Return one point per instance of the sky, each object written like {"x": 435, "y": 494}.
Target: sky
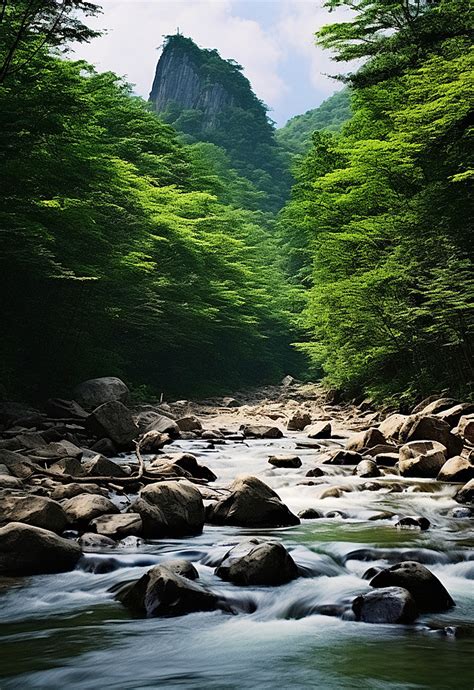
{"x": 272, "y": 39}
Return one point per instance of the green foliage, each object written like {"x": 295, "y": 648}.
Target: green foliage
{"x": 296, "y": 135}
{"x": 384, "y": 245}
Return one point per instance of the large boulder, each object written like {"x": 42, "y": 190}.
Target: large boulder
{"x": 189, "y": 423}
{"x": 33, "y": 510}
{"x": 465, "y": 428}
{"x": 421, "y": 459}
{"x": 390, "y": 427}
{"x": 298, "y": 421}
{"x": 343, "y": 457}
{"x": 162, "y": 424}
{"x": 387, "y": 605}
{"x": 258, "y": 564}
{"x": 434, "y": 406}
{"x": 456, "y": 469}
{"x": 453, "y": 414}
{"x": 70, "y": 466}
{"x": 170, "y": 509}
{"x": 466, "y": 493}
{"x": 94, "y": 392}
{"x": 427, "y": 591}
{"x": 285, "y": 461}
{"x": 431, "y": 428}
{"x": 65, "y": 409}
{"x": 113, "y": 420}
{"x": 28, "y": 550}
{"x": 260, "y": 431}
{"x": 162, "y": 592}
{"x": 251, "y": 503}
{"x": 118, "y": 526}
{"x": 367, "y": 468}
{"x": 63, "y": 491}
{"x": 85, "y": 507}
{"x": 319, "y": 430}
{"x": 365, "y": 439}
{"x": 100, "y": 466}
{"x": 188, "y": 462}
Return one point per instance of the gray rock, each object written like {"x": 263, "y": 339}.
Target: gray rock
{"x": 466, "y": 493}
{"x": 456, "y": 469}
{"x": 261, "y": 431}
{"x": 103, "y": 467}
{"x": 319, "y": 430}
{"x": 434, "y": 406}
{"x": 104, "y": 446}
{"x": 298, "y": 421}
{"x": 164, "y": 425}
{"x": 71, "y": 466}
{"x": 170, "y": 509}
{"x": 343, "y": 457}
{"x": 262, "y": 564}
{"x": 189, "y": 423}
{"x": 85, "y": 507}
{"x": 63, "y": 491}
{"x": 310, "y": 514}
{"x": 387, "y": 605}
{"x": 113, "y": 420}
{"x": 18, "y": 465}
{"x": 251, "y": 503}
{"x": 33, "y": 510}
{"x": 188, "y": 462}
{"x": 118, "y": 526}
{"x": 89, "y": 540}
{"x": 315, "y": 472}
{"x": 365, "y": 439}
{"x": 94, "y": 392}
{"x": 28, "y": 550}
{"x": 390, "y": 427}
{"x": 285, "y": 461}
{"x": 7, "y": 481}
{"x": 367, "y": 468}
{"x": 453, "y": 414}
{"x": 427, "y": 591}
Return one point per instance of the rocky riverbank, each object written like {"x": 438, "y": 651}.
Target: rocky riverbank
{"x": 95, "y": 475}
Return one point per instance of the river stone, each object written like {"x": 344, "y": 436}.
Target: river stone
{"x": 454, "y": 414}
{"x": 262, "y": 564}
{"x": 310, "y": 514}
{"x": 63, "y": 491}
{"x": 343, "y": 457}
{"x": 466, "y": 493}
{"x": 90, "y": 540}
{"x": 298, "y": 421}
{"x": 332, "y": 492}
{"x": 261, "y": 431}
{"x": 19, "y": 465}
{"x": 189, "y": 423}
{"x": 161, "y": 592}
{"x": 7, "y": 481}
{"x": 118, "y": 525}
{"x": 387, "y": 459}
{"x": 100, "y": 466}
{"x": 182, "y": 567}
{"x": 315, "y": 472}
{"x": 421, "y": 459}
{"x": 431, "y": 428}
{"x": 104, "y": 446}
{"x": 367, "y": 468}
{"x": 28, "y": 550}
{"x": 251, "y": 503}
{"x": 434, "y": 406}
{"x": 33, "y": 510}
{"x": 390, "y": 427}
{"x": 94, "y": 392}
{"x": 85, "y": 507}
{"x": 319, "y": 430}
{"x": 288, "y": 461}
{"x": 113, "y": 420}
{"x": 429, "y": 594}
{"x": 61, "y": 409}
{"x": 413, "y": 522}
{"x": 365, "y": 439}
{"x": 387, "y": 605}
{"x": 189, "y": 463}
{"x": 170, "y": 509}
{"x": 71, "y": 466}
{"x": 465, "y": 428}
{"x": 456, "y": 469}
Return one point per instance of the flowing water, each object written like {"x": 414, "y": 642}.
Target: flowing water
{"x": 66, "y": 630}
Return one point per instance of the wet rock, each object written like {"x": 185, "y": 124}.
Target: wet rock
{"x": 367, "y": 468}
{"x": 387, "y": 605}
{"x": 131, "y": 542}
{"x": 104, "y": 446}
{"x": 212, "y": 435}
{"x": 336, "y": 514}
{"x": 413, "y": 522}
{"x": 456, "y": 469}
{"x": 421, "y": 459}
{"x": 365, "y": 439}
{"x": 380, "y": 448}
{"x": 117, "y": 526}
{"x": 18, "y": 465}
{"x": 263, "y": 564}
{"x": 465, "y": 428}
{"x": 390, "y": 427}
{"x": 288, "y": 461}
{"x": 189, "y": 423}
{"x": 343, "y": 457}
{"x": 90, "y": 540}
{"x": 170, "y": 509}
{"x": 71, "y": 466}
{"x": 431, "y": 428}
{"x": 61, "y": 409}
{"x": 453, "y": 414}
{"x": 466, "y": 493}
{"x": 371, "y": 572}
{"x": 101, "y": 466}
{"x": 315, "y": 472}
{"x": 95, "y": 392}
{"x": 113, "y": 420}
{"x": 63, "y": 491}
{"x": 332, "y": 492}
{"x": 298, "y": 421}
{"x": 310, "y": 514}
{"x": 384, "y": 515}
{"x": 153, "y": 441}
{"x": 161, "y": 592}
{"x": 463, "y": 512}
{"x": 164, "y": 425}
{"x": 426, "y": 589}
{"x": 182, "y": 567}
{"x": 28, "y": 550}
{"x": 261, "y": 431}
{"x": 251, "y": 503}
{"x": 85, "y": 507}
{"x": 189, "y": 463}
{"x": 33, "y": 510}
{"x": 319, "y": 430}
{"x": 387, "y": 459}
{"x": 98, "y": 565}
{"x": 11, "y": 412}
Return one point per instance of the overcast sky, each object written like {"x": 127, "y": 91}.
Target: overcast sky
{"x": 272, "y": 39}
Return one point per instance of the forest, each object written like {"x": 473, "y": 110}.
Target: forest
{"x": 137, "y": 245}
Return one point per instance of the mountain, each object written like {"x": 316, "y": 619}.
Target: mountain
{"x": 295, "y": 136}
{"x": 208, "y": 99}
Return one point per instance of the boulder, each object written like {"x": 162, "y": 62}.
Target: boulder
{"x": 298, "y": 421}
{"x": 11, "y": 412}
{"x": 182, "y": 567}
{"x": 170, "y": 509}
{"x": 261, "y": 431}
{"x": 456, "y": 469}
{"x": 153, "y": 441}
{"x": 230, "y": 402}
{"x": 390, "y": 427}
{"x": 262, "y": 564}
{"x": 413, "y": 522}
{"x": 387, "y": 459}
{"x": 85, "y": 507}
{"x": 94, "y": 392}
{"x": 37, "y": 511}
{"x": 435, "y": 406}
{"x": 28, "y": 550}
{"x": 251, "y": 503}
{"x": 332, "y": 492}
{"x": 315, "y": 472}
{"x": 90, "y": 540}
{"x": 99, "y": 466}
{"x": 63, "y": 491}
{"x": 319, "y": 430}
{"x": 343, "y": 457}
{"x": 367, "y": 468}
{"x": 288, "y": 381}
{"x": 188, "y": 462}
{"x": 104, "y": 446}
{"x": 18, "y": 465}
{"x": 453, "y": 414}
{"x": 113, "y": 420}
{"x": 365, "y": 439}
{"x": 431, "y": 428}
{"x": 421, "y": 459}
{"x": 428, "y": 592}
{"x": 7, "y": 481}
{"x": 466, "y": 493}
{"x": 118, "y": 526}
{"x": 285, "y": 461}
{"x": 64, "y": 409}
{"x": 71, "y": 466}
{"x": 387, "y": 605}
{"x": 163, "y": 424}
{"x": 161, "y": 592}
{"x": 310, "y": 514}
{"x": 189, "y": 423}
{"x": 465, "y": 428}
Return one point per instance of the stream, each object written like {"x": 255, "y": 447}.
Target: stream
{"x": 67, "y": 630}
